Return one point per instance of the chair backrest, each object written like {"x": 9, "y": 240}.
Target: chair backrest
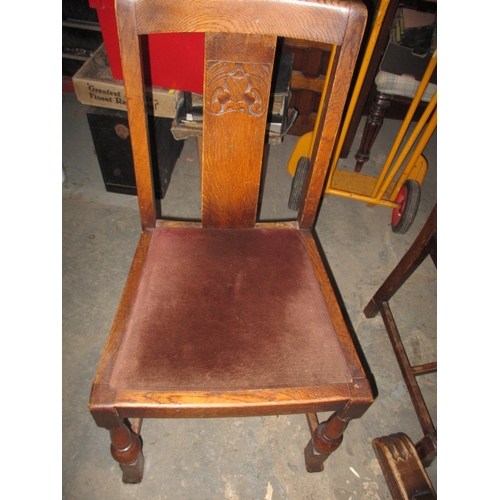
{"x": 240, "y": 46}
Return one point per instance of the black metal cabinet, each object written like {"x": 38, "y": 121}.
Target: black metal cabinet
{"x": 110, "y": 134}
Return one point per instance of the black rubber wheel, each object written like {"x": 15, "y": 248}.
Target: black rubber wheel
{"x": 408, "y": 199}
{"x": 298, "y": 183}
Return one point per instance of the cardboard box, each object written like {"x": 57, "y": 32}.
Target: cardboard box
{"x": 94, "y": 85}
{"x": 400, "y": 60}
{"x": 111, "y": 137}
{"x": 411, "y": 45}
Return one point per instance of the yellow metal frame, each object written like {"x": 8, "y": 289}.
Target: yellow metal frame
{"x": 381, "y": 190}
{"x": 305, "y": 143}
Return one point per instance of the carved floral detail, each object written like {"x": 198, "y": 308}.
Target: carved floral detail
{"x": 237, "y": 87}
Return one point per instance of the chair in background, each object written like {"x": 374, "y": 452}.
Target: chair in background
{"x": 389, "y": 87}
{"x": 408, "y": 56}
{"x": 403, "y": 470}
{"x": 229, "y": 316}
{"x": 402, "y": 462}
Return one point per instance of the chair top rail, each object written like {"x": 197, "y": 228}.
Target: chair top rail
{"x": 315, "y": 20}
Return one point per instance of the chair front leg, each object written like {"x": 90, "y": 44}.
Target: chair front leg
{"x": 126, "y": 449}
{"x": 326, "y": 438}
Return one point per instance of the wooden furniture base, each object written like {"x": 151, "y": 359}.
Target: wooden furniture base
{"x": 424, "y": 245}
{"x": 403, "y": 471}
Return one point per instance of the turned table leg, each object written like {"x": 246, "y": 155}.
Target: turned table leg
{"x": 126, "y": 449}
{"x": 326, "y": 438}
{"x": 374, "y": 121}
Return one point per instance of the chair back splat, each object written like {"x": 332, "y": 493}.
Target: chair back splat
{"x": 227, "y": 316}
{"x": 340, "y": 23}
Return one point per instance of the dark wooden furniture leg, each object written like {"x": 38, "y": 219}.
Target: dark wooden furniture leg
{"x": 424, "y": 245}
{"x": 126, "y": 443}
{"x": 378, "y": 109}
{"x": 326, "y": 438}
{"x": 403, "y": 471}
{"x": 427, "y": 447}
{"x": 126, "y": 449}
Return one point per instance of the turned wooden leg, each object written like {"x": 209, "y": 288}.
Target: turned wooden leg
{"x": 326, "y": 438}
{"x": 126, "y": 449}
{"x": 373, "y": 123}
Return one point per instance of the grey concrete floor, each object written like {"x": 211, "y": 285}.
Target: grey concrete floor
{"x": 251, "y": 458}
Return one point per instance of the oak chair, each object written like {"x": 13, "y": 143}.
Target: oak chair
{"x": 425, "y": 245}
{"x": 402, "y": 462}
{"x": 230, "y": 316}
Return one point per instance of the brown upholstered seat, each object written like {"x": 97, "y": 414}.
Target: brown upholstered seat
{"x": 223, "y": 304}
{"x": 230, "y": 316}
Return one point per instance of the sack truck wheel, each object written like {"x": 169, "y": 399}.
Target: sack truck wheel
{"x": 408, "y": 199}
{"x": 298, "y": 183}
